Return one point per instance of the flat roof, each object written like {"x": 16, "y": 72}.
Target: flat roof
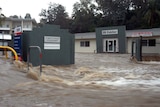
{"x": 129, "y": 33}
{"x": 143, "y": 32}
{"x": 90, "y": 35}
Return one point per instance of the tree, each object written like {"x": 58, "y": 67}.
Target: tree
{"x": 114, "y": 11}
{"x": 83, "y": 16}
{"x": 56, "y": 14}
{"x": 152, "y": 14}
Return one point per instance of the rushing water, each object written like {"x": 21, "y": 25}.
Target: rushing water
{"x": 95, "y": 80}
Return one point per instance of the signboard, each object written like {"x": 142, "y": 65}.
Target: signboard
{"x": 18, "y": 30}
{"x": 143, "y": 34}
{"x": 17, "y": 45}
{"x": 110, "y": 32}
{"x": 52, "y": 42}
{"x": 18, "y": 41}
{"x": 51, "y": 39}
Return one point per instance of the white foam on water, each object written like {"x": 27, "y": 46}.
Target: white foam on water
{"x": 124, "y": 82}
{"x": 151, "y": 62}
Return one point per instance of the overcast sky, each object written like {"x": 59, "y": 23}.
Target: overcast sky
{"x": 34, "y": 7}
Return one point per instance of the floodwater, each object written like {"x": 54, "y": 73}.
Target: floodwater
{"x": 95, "y": 80}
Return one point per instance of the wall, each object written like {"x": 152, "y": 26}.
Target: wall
{"x": 5, "y": 25}
{"x": 129, "y": 44}
{"x": 152, "y": 49}
{"x": 27, "y": 25}
{"x": 145, "y": 49}
{"x": 121, "y": 35}
{"x": 64, "y": 55}
{"x": 90, "y": 49}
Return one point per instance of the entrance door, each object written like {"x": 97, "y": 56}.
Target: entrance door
{"x": 111, "y": 45}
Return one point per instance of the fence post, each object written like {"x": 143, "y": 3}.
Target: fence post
{"x": 40, "y": 56}
{"x": 140, "y": 48}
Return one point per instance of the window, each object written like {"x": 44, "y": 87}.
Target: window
{"x": 84, "y": 43}
{"x": 149, "y": 42}
{"x": 152, "y": 42}
{"x": 144, "y": 42}
{"x": 26, "y": 26}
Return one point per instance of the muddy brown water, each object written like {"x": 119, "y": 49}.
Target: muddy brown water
{"x": 95, "y": 80}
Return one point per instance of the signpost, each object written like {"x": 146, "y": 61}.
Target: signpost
{"x": 18, "y": 41}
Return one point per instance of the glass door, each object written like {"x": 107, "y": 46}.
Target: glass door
{"x": 111, "y": 45}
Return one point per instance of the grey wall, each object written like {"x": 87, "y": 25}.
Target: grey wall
{"x": 121, "y": 38}
{"x": 62, "y": 56}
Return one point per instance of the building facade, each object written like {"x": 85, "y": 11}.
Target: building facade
{"x": 7, "y": 28}
{"x": 150, "y": 40}
{"x": 111, "y": 39}
{"x": 118, "y": 40}
{"x": 8, "y": 25}
{"x": 85, "y": 42}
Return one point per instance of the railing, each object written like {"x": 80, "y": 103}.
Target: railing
{"x": 40, "y": 56}
{"x": 9, "y": 48}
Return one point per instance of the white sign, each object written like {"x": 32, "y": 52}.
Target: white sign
{"x": 51, "y": 42}
{"x": 110, "y": 32}
{"x": 51, "y": 39}
{"x": 18, "y": 30}
{"x": 51, "y": 46}
{"x": 143, "y": 34}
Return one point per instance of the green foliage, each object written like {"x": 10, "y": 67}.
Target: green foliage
{"x": 89, "y": 14}
{"x": 152, "y": 15}
{"x": 55, "y": 14}
{"x": 84, "y": 16}
{"x": 132, "y": 13}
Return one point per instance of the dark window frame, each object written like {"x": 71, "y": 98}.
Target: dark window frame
{"x": 84, "y": 43}
{"x": 144, "y": 42}
{"x": 152, "y": 42}
{"x": 149, "y": 42}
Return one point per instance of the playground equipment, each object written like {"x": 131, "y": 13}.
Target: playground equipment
{"x": 11, "y": 49}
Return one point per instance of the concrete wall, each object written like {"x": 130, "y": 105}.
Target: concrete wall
{"x": 120, "y": 35}
{"x": 27, "y": 25}
{"x": 90, "y": 49}
{"x": 63, "y": 55}
{"x": 152, "y": 49}
{"x": 145, "y": 49}
{"x": 129, "y": 44}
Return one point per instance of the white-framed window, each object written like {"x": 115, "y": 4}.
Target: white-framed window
{"x": 85, "y": 44}
{"x": 149, "y": 42}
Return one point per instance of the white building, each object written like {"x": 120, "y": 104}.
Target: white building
{"x": 7, "y": 27}
{"x": 86, "y": 42}
{"x": 150, "y": 40}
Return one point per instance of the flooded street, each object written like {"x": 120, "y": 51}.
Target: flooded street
{"x": 95, "y": 80}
